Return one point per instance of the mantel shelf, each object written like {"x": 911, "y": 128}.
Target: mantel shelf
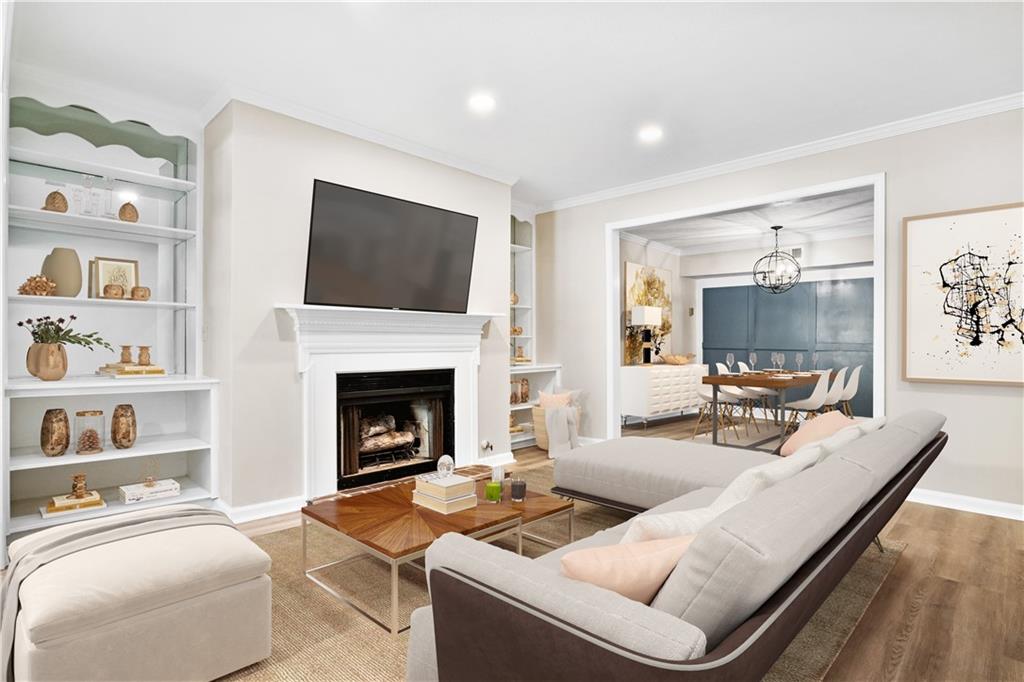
{"x": 96, "y": 302}
{"x": 534, "y": 369}
{"x": 91, "y": 226}
{"x": 102, "y": 170}
{"x": 31, "y": 457}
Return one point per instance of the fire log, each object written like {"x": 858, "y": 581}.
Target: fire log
{"x": 392, "y": 440}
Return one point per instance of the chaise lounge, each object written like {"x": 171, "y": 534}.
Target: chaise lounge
{"x": 750, "y": 580}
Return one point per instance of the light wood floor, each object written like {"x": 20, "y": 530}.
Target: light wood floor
{"x": 952, "y": 610}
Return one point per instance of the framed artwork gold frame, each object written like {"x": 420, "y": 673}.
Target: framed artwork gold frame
{"x": 127, "y": 270}
{"x": 963, "y": 283}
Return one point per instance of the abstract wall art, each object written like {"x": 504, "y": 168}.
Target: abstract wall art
{"x": 646, "y": 285}
{"x": 964, "y": 296}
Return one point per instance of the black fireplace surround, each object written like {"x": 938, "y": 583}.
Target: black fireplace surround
{"x": 393, "y": 424}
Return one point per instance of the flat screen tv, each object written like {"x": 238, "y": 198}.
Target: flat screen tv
{"x": 372, "y": 251}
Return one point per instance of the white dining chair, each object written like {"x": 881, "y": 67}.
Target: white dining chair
{"x": 747, "y": 400}
{"x": 835, "y": 393}
{"x": 726, "y": 403}
{"x": 810, "y": 405}
{"x": 763, "y": 393}
{"x": 850, "y": 391}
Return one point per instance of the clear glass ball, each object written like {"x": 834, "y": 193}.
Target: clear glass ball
{"x": 445, "y": 465}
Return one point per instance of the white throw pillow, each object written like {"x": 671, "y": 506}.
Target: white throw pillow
{"x": 869, "y": 425}
{"x": 838, "y": 441}
{"x": 742, "y": 488}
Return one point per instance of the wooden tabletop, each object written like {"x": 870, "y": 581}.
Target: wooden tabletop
{"x": 389, "y": 522}
{"x": 761, "y": 380}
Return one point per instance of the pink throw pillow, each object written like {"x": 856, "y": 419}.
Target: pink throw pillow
{"x": 816, "y": 429}
{"x": 549, "y": 400}
{"x": 636, "y": 570}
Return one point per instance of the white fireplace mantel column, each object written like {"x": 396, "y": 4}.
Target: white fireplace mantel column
{"x": 334, "y": 340}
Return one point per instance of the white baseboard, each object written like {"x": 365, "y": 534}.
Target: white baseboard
{"x": 977, "y": 505}
{"x": 262, "y": 510}
{"x": 500, "y": 459}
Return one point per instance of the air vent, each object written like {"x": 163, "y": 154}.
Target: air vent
{"x": 797, "y": 251}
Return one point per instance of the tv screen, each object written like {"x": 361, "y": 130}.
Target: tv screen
{"x": 372, "y": 251}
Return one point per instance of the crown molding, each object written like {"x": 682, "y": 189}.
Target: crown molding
{"x": 649, "y": 243}
{"x": 524, "y": 210}
{"x": 860, "y": 228}
{"x": 323, "y": 119}
{"x": 880, "y": 132}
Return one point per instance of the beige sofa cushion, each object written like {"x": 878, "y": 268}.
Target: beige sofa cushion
{"x": 743, "y": 556}
{"x": 115, "y": 581}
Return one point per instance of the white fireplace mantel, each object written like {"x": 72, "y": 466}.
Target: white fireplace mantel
{"x": 333, "y": 340}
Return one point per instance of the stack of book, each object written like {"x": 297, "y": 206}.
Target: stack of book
{"x": 149, "y": 490}
{"x": 129, "y": 370}
{"x": 447, "y": 494}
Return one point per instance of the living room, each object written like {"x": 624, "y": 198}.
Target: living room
{"x": 383, "y": 341}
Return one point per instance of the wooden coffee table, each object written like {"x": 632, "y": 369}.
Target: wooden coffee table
{"x": 385, "y": 524}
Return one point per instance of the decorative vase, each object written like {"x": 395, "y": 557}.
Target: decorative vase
{"x": 140, "y": 293}
{"x": 63, "y": 267}
{"x": 123, "y": 428}
{"x": 55, "y": 434}
{"x": 113, "y": 291}
{"x": 144, "y": 357}
{"x": 47, "y": 361}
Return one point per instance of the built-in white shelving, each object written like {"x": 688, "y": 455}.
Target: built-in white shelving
{"x": 29, "y": 457}
{"x": 523, "y": 406}
{"x": 539, "y": 368}
{"x": 98, "y": 164}
{"x": 82, "y": 302}
{"x": 25, "y": 514}
{"x": 102, "y": 228}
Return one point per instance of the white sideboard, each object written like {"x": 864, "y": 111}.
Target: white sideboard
{"x": 657, "y": 390}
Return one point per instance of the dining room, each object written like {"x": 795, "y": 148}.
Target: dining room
{"x": 774, "y": 309}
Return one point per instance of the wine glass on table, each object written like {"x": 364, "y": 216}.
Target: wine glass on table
{"x": 782, "y": 360}
{"x": 799, "y": 361}
{"x": 753, "y": 361}
{"x": 814, "y": 360}
{"x": 729, "y": 359}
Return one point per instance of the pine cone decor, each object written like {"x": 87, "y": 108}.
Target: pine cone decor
{"x": 37, "y": 285}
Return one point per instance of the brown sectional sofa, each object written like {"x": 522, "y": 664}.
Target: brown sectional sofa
{"x": 749, "y": 582}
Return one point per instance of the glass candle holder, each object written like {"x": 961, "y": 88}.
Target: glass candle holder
{"x": 88, "y": 432}
{"x": 492, "y": 491}
{"x": 518, "y": 486}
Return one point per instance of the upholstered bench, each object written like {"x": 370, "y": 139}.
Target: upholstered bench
{"x": 181, "y": 603}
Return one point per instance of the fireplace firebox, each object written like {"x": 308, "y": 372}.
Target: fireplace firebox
{"x": 393, "y": 424}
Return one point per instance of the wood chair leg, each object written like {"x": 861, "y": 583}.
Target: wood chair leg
{"x": 700, "y": 418}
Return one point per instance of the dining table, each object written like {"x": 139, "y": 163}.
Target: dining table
{"x": 778, "y": 380}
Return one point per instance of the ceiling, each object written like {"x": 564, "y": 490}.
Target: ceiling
{"x": 821, "y": 217}
{"x": 573, "y": 82}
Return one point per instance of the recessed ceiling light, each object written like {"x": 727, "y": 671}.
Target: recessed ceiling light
{"x": 650, "y": 134}
{"x": 481, "y": 103}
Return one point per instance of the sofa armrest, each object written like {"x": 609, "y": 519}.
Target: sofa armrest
{"x": 581, "y": 609}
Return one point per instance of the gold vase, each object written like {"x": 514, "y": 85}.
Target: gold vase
{"x": 55, "y": 434}
{"x": 123, "y": 427}
{"x": 47, "y": 361}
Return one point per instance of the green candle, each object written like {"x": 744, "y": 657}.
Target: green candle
{"x": 492, "y": 491}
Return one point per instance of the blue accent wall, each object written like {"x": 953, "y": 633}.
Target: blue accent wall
{"x": 834, "y": 318}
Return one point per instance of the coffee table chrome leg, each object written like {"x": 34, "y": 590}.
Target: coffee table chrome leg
{"x": 394, "y": 597}
{"x": 519, "y": 539}
{"x": 572, "y": 526}
{"x": 303, "y": 522}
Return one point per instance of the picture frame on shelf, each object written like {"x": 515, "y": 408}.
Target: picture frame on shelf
{"x": 105, "y": 271}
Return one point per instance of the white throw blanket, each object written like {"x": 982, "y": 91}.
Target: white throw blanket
{"x": 562, "y": 429}
{"x": 49, "y": 545}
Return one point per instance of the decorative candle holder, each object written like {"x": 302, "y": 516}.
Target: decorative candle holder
{"x": 492, "y": 491}
{"x": 518, "y": 486}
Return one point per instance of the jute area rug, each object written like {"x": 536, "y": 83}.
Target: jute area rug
{"x": 315, "y": 637}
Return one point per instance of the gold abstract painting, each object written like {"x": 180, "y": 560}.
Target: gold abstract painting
{"x": 646, "y": 285}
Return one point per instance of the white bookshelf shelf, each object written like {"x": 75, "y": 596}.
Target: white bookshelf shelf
{"x": 519, "y": 248}
{"x": 30, "y": 387}
{"x": 520, "y": 306}
{"x": 523, "y": 406}
{"x": 104, "y": 228}
{"x": 534, "y": 369}
{"x": 31, "y": 457}
{"x": 60, "y": 162}
{"x": 25, "y": 514}
{"x": 84, "y": 302}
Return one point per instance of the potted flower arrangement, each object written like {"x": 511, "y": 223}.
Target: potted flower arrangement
{"x": 46, "y": 357}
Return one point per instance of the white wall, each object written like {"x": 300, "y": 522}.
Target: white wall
{"x": 260, "y": 169}
{"x": 962, "y": 165}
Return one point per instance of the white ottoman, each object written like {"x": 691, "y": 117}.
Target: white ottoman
{"x": 182, "y": 604}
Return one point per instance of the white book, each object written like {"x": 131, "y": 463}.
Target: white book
{"x": 140, "y": 492}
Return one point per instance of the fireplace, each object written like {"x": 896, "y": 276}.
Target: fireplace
{"x": 393, "y": 424}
